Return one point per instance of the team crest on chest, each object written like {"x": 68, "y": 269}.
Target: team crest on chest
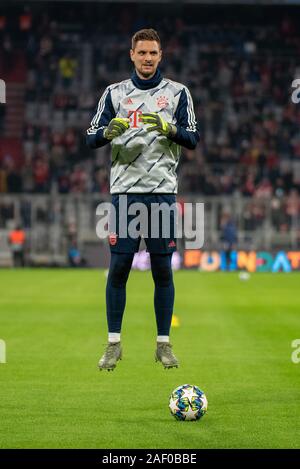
{"x": 113, "y": 239}
{"x": 162, "y": 102}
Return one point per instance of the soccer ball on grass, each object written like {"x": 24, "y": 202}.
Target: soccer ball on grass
{"x": 188, "y": 402}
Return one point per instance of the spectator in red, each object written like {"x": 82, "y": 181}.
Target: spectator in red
{"x": 41, "y": 175}
{"x": 264, "y": 189}
{"x": 79, "y": 180}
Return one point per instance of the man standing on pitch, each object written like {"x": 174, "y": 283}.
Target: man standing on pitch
{"x": 146, "y": 119}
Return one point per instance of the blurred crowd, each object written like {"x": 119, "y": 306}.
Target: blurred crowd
{"x": 239, "y": 72}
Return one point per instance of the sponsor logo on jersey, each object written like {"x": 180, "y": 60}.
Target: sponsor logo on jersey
{"x": 128, "y": 101}
{"x": 134, "y": 117}
{"x": 172, "y": 244}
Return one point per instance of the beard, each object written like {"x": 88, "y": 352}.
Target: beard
{"x": 146, "y": 74}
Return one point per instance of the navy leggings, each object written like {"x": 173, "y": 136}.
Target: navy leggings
{"x": 120, "y": 265}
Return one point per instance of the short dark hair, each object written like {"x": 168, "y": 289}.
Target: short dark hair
{"x": 145, "y": 35}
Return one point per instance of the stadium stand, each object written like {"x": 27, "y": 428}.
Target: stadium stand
{"x": 240, "y": 75}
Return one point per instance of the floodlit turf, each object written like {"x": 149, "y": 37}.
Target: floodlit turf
{"x": 234, "y": 342}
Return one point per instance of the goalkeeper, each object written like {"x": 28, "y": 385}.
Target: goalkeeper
{"x": 146, "y": 120}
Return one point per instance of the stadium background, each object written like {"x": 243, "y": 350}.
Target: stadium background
{"x": 235, "y": 335}
{"x": 239, "y": 62}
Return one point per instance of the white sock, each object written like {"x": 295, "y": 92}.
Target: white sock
{"x": 114, "y": 337}
{"x": 163, "y": 338}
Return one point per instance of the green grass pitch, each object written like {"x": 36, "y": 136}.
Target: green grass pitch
{"x": 234, "y": 342}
